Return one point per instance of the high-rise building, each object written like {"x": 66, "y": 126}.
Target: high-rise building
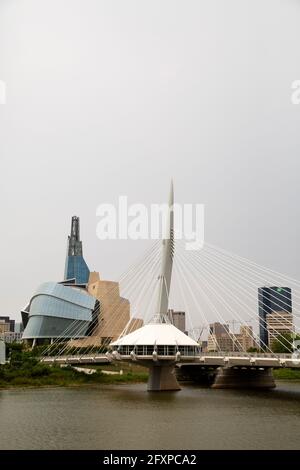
{"x": 75, "y": 266}
{"x": 6, "y": 324}
{"x": 220, "y": 338}
{"x": 177, "y": 318}
{"x": 272, "y": 300}
{"x": 278, "y": 323}
{"x": 8, "y": 330}
{"x": 244, "y": 340}
{"x": 11, "y": 337}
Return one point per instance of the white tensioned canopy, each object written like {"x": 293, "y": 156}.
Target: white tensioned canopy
{"x": 160, "y": 334}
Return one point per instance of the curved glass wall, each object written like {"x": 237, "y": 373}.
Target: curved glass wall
{"x": 57, "y": 310}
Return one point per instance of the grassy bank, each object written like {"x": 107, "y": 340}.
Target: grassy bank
{"x": 286, "y": 374}
{"x": 38, "y": 375}
{"x": 56, "y": 376}
{"x": 25, "y": 370}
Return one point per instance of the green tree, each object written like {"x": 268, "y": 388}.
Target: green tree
{"x": 283, "y": 344}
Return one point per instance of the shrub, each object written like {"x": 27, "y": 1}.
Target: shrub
{"x": 40, "y": 370}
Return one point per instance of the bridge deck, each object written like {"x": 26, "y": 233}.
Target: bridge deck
{"x": 214, "y": 360}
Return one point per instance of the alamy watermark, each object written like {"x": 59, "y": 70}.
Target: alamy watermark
{"x": 295, "y": 96}
{"x": 2, "y": 92}
{"x": 139, "y": 222}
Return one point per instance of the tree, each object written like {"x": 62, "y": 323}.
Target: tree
{"x": 284, "y": 343}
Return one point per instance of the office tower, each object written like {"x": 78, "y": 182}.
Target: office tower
{"x": 272, "y": 300}
{"x": 8, "y": 330}
{"x": 245, "y": 339}
{"x": 6, "y": 324}
{"x": 278, "y": 323}
{"x": 177, "y": 318}
{"x": 218, "y": 328}
{"x": 75, "y": 266}
{"x": 219, "y": 338}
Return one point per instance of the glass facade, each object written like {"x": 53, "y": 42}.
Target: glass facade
{"x": 163, "y": 350}
{"x": 271, "y": 300}
{"x": 76, "y": 268}
{"x": 57, "y": 310}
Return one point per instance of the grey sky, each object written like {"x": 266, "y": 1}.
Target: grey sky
{"x": 115, "y": 97}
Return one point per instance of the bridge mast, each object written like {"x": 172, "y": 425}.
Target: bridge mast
{"x": 161, "y": 314}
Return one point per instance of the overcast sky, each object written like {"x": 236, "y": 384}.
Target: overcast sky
{"x": 116, "y": 97}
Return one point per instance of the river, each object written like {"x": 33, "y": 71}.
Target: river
{"x": 129, "y": 417}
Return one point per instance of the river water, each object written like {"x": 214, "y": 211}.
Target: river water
{"x": 129, "y": 417}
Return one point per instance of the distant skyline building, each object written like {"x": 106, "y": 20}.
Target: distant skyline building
{"x": 279, "y": 323}
{"x": 218, "y": 328}
{"x": 220, "y": 338}
{"x": 6, "y": 324}
{"x": 9, "y": 330}
{"x": 245, "y": 339}
{"x": 11, "y": 337}
{"x": 177, "y": 318}
{"x": 75, "y": 266}
{"x": 272, "y": 300}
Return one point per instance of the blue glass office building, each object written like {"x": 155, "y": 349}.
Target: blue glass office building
{"x": 271, "y": 300}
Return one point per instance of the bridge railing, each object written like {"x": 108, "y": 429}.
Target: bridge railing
{"x": 244, "y": 354}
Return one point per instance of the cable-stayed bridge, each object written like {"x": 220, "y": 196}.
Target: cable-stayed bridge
{"x": 212, "y": 286}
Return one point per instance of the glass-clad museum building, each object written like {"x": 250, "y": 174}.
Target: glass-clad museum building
{"x": 57, "y": 310}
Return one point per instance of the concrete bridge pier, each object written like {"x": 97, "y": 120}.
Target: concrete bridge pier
{"x": 162, "y": 377}
{"x": 242, "y": 377}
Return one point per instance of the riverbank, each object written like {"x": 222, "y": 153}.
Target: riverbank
{"x": 25, "y": 370}
{"x": 42, "y": 376}
{"x": 286, "y": 374}
{"x": 69, "y": 377}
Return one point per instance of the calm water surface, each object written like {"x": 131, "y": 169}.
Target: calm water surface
{"x": 129, "y": 417}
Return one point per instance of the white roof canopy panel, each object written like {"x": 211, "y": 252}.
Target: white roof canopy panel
{"x": 156, "y": 334}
